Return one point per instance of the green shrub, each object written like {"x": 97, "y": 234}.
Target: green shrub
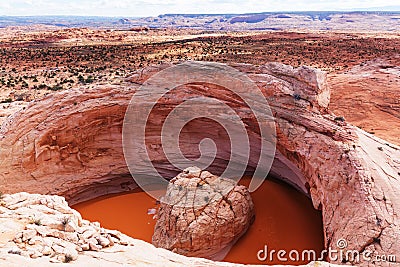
{"x": 89, "y": 79}
{"x": 7, "y": 100}
{"x": 42, "y": 86}
{"x": 56, "y": 88}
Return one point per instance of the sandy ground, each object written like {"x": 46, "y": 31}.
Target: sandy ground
{"x": 363, "y": 68}
{"x": 368, "y": 96}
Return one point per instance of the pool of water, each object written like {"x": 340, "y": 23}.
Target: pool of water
{"x": 285, "y": 220}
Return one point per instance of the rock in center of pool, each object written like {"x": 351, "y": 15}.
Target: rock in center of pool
{"x": 202, "y": 215}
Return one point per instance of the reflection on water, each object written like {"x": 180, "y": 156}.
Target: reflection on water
{"x": 285, "y": 219}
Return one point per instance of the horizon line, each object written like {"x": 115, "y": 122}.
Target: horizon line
{"x": 206, "y": 14}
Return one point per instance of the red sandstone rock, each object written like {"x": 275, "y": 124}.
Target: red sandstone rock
{"x": 186, "y": 223}
{"x": 368, "y": 97}
{"x": 69, "y": 144}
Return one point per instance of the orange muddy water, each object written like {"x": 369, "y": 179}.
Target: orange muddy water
{"x": 285, "y": 219}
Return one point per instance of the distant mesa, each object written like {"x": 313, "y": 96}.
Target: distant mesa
{"x": 258, "y": 18}
{"x": 308, "y": 20}
{"x": 249, "y": 19}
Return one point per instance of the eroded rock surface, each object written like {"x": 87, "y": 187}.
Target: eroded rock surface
{"x": 368, "y": 96}
{"x": 46, "y": 226}
{"x": 33, "y": 233}
{"x": 69, "y": 144}
{"x": 202, "y": 215}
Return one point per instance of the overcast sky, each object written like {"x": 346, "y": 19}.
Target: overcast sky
{"x": 141, "y": 8}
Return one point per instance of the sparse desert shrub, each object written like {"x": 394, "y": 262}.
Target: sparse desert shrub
{"x": 81, "y": 79}
{"x": 42, "y": 86}
{"x": 14, "y": 251}
{"x": 56, "y": 88}
{"x": 7, "y": 100}
{"x": 339, "y": 119}
{"x": 68, "y": 258}
{"x": 89, "y": 79}
{"x": 36, "y": 221}
{"x": 25, "y": 84}
{"x": 65, "y": 220}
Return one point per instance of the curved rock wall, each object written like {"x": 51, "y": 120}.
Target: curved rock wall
{"x": 70, "y": 144}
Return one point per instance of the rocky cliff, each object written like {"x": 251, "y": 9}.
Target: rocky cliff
{"x": 69, "y": 144}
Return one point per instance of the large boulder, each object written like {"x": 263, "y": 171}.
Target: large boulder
{"x": 202, "y": 215}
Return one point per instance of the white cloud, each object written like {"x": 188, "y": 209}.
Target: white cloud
{"x": 156, "y": 7}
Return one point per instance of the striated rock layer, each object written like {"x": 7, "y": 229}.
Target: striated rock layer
{"x": 362, "y": 99}
{"x": 69, "y": 144}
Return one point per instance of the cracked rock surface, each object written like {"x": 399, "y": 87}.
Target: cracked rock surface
{"x": 33, "y": 232}
{"x": 37, "y": 226}
{"x": 202, "y": 215}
